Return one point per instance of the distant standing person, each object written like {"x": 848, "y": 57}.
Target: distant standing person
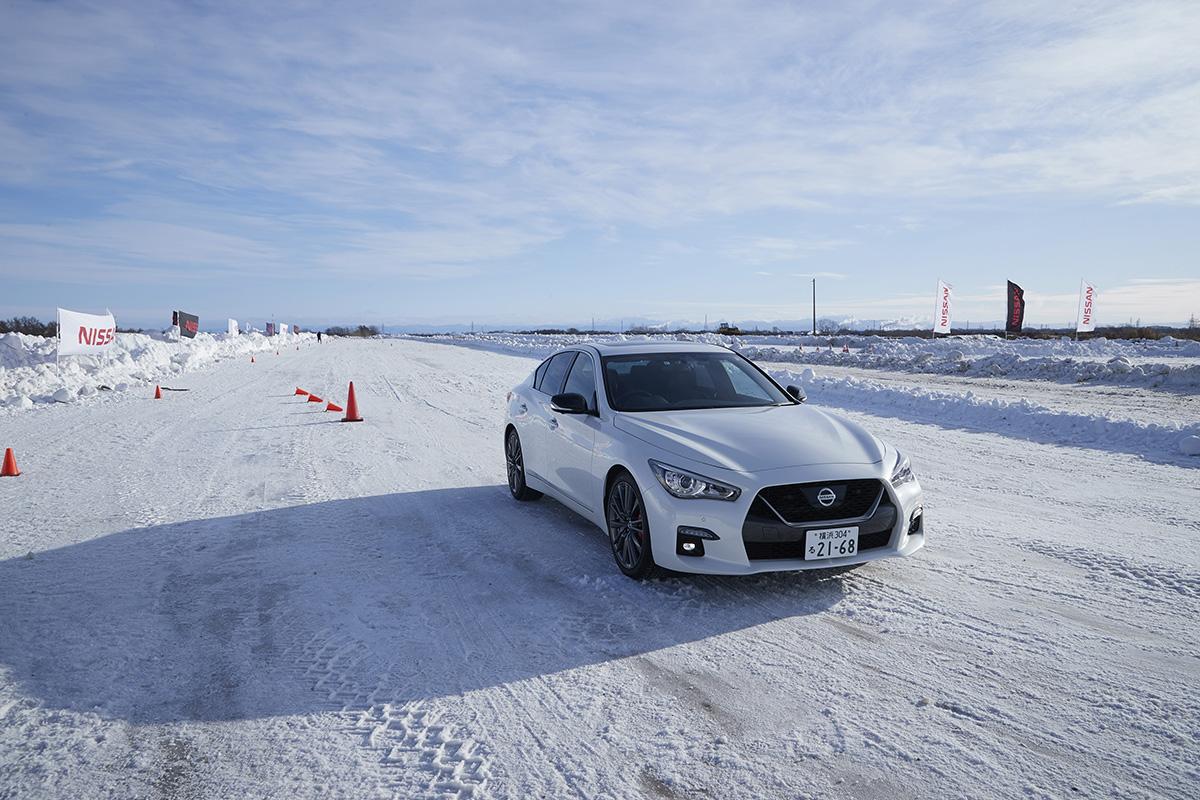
{"x": 318, "y": 337}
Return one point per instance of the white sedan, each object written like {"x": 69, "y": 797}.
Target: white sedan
{"x": 692, "y": 458}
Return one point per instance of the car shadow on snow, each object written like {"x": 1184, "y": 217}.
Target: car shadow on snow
{"x": 341, "y": 604}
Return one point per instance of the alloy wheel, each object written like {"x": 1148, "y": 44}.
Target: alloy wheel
{"x": 626, "y": 525}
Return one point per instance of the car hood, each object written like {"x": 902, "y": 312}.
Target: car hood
{"x": 755, "y": 439}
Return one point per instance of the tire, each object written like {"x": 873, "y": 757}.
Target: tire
{"x": 514, "y": 458}
{"x": 628, "y": 529}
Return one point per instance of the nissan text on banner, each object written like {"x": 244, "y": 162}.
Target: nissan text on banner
{"x": 85, "y": 334}
{"x": 189, "y": 324}
{"x": 1085, "y": 321}
{"x": 233, "y": 327}
{"x": 1016, "y": 309}
{"x": 941, "y": 312}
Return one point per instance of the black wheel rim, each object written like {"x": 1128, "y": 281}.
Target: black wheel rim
{"x": 516, "y": 467}
{"x": 626, "y": 524}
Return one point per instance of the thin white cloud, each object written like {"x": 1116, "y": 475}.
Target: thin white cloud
{"x": 774, "y": 249}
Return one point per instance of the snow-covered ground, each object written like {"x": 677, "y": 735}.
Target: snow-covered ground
{"x": 224, "y": 593}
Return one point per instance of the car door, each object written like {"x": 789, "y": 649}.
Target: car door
{"x": 523, "y": 398}
{"x": 571, "y": 441}
{"x": 542, "y": 419}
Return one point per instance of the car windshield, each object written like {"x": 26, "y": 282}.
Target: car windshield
{"x": 676, "y": 381}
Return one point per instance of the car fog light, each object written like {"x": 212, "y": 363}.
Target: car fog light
{"x": 914, "y": 522}
{"x": 689, "y": 541}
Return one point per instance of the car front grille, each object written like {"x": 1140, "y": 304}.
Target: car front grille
{"x": 800, "y": 503}
{"x": 766, "y": 537}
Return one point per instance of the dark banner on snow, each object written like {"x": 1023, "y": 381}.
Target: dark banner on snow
{"x": 1016, "y": 308}
{"x": 270, "y": 329}
{"x": 189, "y": 324}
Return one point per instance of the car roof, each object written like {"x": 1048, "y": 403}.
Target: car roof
{"x": 636, "y": 346}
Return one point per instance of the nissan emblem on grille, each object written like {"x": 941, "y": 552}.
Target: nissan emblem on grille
{"x": 827, "y": 497}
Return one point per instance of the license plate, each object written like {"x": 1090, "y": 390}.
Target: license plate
{"x": 830, "y": 543}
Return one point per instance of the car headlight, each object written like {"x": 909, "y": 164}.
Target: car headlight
{"x": 902, "y": 473}
{"x": 690, "y": 486}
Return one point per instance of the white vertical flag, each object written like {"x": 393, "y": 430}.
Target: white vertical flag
{"x": 1085, "y": 321}
{"x": 233, "y": 327}
{"x": 941, "y": 311}
{"x": 84, "y": 334}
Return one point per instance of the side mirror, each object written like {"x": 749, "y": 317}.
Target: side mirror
{"x": 569, "y": 403}
{"x": 797, "y": 393}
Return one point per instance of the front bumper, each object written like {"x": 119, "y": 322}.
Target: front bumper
{"x": 885, "y": 534}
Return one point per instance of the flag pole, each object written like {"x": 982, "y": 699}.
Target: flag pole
{"x": 814, "y": 299}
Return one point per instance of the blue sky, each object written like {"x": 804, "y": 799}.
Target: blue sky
{"x": 550, "y": 162}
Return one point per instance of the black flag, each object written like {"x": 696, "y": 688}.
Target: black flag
{"x": 189, "y": 324}
{"x": 1016, "y": 308}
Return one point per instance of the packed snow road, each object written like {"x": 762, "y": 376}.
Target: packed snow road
{"x": 224, "y": 593}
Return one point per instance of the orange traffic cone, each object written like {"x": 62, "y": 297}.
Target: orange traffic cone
{"x": 9, "y": 470}
{"x": 351, "y": 407}
{"x": 300, "y": 391}
{"x": 845, "y": 348}
{"x": 312, "y": 398}
{"x": 158, "y": 393}
{"x": 332, "y": 407}
{"x": 251, "y": 359}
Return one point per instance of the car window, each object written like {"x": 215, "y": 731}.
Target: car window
{"x": 582, "y": 380}
{"x": 556, "y": 371}
{"x": 674, "y": 381}
{"x": 539, "y": 372}
{"x": 743, "y": 385}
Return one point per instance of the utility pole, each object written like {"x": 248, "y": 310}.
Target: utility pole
{"x": 814, "y": 280}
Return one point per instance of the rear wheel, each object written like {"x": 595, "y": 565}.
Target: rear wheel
{"x": 515, "y": 461}
{"x": 628, "y": 530}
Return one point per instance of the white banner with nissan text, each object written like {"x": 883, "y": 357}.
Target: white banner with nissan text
{"x": 941, "y": 312}
{"x": 1085, "y": 321}
{"x": 85, "y": 334}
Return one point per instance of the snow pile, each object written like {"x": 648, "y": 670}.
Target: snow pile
{"x": 29, "y": 375}
{"x": 1168, "y": 362}
{"x": 1022, "y": 419}
{"x": 1175, "y": 364}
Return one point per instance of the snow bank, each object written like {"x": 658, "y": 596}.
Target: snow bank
{"x": 29, "y": 375}
{"x": 1167, "y": 363}
{"x": 1022, "y": 419}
